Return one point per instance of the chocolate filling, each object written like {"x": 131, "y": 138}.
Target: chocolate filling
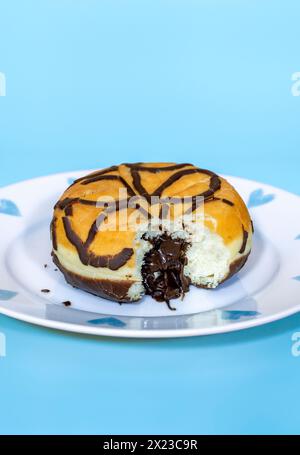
{"x": 162, "y": 271}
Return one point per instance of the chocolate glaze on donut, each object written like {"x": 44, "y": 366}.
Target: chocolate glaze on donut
{"x": 163, "y": 267}
{"x": 116, "y": 261}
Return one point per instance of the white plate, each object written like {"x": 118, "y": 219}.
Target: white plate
{"x": 267, "y": 288}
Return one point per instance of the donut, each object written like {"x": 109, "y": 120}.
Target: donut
{"x": 150, "y": 228}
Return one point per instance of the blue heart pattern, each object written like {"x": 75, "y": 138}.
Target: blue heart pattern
{"x": 113, "y": 322}
{"x": 258, "y": 197}
{"x": 235, "y": 315}
{"x": 7, "y": 295}
{"x": 9, "y": 207}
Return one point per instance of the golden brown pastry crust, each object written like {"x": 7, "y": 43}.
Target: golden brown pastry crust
{"x": 74, "y": 226}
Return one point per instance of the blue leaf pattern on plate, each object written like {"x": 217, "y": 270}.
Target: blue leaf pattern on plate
{"x": 235, "y": 315}
{"x": 297, "y": 278}
{"x": 7, "y": 295}
{"x": 114, "y": 322}
{"x": 298, "y": 237}
{"x": 9, "y": 207}
{"x": 71, "y": 180}
{"x": 258, "y": 197}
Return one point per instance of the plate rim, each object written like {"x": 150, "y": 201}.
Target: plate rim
{"x": 149, "y": 333}
{"x": 142, "y": 334}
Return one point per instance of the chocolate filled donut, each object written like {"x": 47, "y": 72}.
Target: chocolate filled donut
{"x": 150, "y": 228}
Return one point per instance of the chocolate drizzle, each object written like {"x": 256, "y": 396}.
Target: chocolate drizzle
{"x": 136, "y": 190}
{"x": 244, "y": 242}
{"x": 53, "y": 232}
{"x": 214, "y": 184}
{"x": 98, "y": 173}
{"x": 110, "y": 177}
{"x": 156, "y": 170}
{"x": 163, "y": 269}
{"x": 226, "y": 201}
{"x": 112, "y": 262}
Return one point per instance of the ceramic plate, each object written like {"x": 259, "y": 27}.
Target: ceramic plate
{"x": 267, "y": 288}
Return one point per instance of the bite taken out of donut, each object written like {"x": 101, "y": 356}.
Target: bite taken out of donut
{"x": 150, "y": 228}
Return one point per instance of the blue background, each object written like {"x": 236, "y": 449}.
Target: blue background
{"x": 91, "y": 83}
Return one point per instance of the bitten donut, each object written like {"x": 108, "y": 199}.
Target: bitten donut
{"x": 150, "y": 228}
